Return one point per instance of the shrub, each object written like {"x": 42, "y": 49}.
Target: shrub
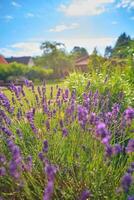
{"x": 16, "y": 70}
{"x": 39, "y": 73}
{"x": 78, "y": 82}
{"x": 119, "y": 86}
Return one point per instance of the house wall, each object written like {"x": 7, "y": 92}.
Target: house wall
{"x": 31, "y": 62}
{"x": 82, "y": 64}
{"x": 83, "y": 68}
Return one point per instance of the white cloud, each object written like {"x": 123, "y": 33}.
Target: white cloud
{"x": 22, "y": 49}
{"x": 89, "y": 43}
{"x": 15, "y": 4}
{"x": 85, "y": 7}
{"x": 29, "y": 15}
{"x": 63, "y": 27}
{"x": 32, "y": 48}
{"x": 129, "y": 4}
{"x": 8, "y": 18}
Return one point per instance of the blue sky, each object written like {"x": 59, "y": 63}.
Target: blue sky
{"x": 88, "y": 23}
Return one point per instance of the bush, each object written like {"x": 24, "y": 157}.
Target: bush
{"x": 78, "y": 82}
{"x": 119, "y": 86}
{"x": 39, "y": 73}
{"x": 16, "y": 70}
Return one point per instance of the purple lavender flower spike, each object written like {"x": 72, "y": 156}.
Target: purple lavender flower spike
{"x": 129, "y": 114}
{"x": 115, "y": 110}
{"x": 16, "y": 90}
{"x": 51, "y": 93}
{"x": 41, "y": 156}
{"x": 64, "y": 132}
{"x": 126, "y": 182}
{"x": 4, "y": 101}
{"x": 30, "y": 117}
{"x": 58, "y": 93}
{"x": 29, "y": 164}
{"x": 2, "y": 171}
{"x": 16, "y": 155}
{"x": 47, "y": 125}
{"x": 19, "y": 114}
{"x": 23, "y": 93}
{"x": 2, "y": 159}
{"x": 13, "y": 100}
{"x": 10, "y": 144}
{"x": 50, "y": 171}
{"x": 85, "y": 195}
{"x": 108, "y": 117}
{"x": 39, "y": 91}
{"x": 61, "y": 123}
{"x": 108, "y": 150}
{"x": 5, "y": 117}
{"x": 45, "y": 147}
{"x": 101, "y": 130}
{"x": 130, "y": 198}
{"x": 66, "y": 93}
{"x": 13, "y": 170}
{"x": 6, "y": 131}
{"x": 82, "y": 115}
{"x": 93, "y": 118}
{"x": 117, "y": 149}
{"x": 37, "y": 99}
{"x": 48, "y": 191}
{"x": 26, "y": 82}
{"x": 130, "y": 170}
{"x": 106, "y": 140}
{"x": 95, "y": 97}
{"x": 130, "y": 146}
{"x": 132, "y": 165}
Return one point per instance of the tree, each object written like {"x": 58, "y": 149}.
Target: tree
{"x": 122, "y": 46}
{"x": 55, "y": 57}
{"x": 95, "y": 52}
{"x": 108, "y": 51}
{"x": 123, "y": 39}
{"x": 79, "y": 51}
{"x": 96, "y": 61}
{"x": 51, "y": 47}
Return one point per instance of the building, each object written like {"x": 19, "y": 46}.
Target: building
{"x": 26, "y": 60}
{"x": 82, "y": 63}
{"x": 3, "y": 60}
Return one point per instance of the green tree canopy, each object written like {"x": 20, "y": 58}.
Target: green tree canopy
{"x": 108, "y": 51}
{"x": 79, "y": 51}
{"x": 55, "y": 57}
{"x": 51, "y": 47}
{"x": 122, "y": 46}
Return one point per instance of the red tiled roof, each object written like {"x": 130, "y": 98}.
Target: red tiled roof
{"x": 82, "y": 58}
{"x": 82, "y": 61}
{"x": 2, "y": 60}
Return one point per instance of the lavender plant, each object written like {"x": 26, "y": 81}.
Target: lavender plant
{"x": 58, "y": 148}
